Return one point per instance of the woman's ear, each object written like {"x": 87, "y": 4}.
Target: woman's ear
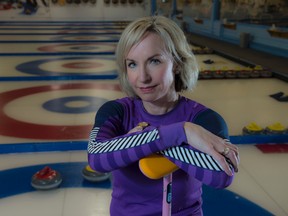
{"x": 176, "y": 69}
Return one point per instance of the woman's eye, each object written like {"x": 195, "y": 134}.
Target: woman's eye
{"x": 131, "y": 65}
{"x": 155, "y": 61}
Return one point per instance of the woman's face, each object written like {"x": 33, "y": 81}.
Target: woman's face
{"x": 150, "y": 70}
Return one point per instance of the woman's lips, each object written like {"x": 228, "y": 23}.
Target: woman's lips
{"x": 147, "y": 89}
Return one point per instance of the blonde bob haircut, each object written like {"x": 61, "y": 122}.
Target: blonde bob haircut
{"x": 176, "y": 45}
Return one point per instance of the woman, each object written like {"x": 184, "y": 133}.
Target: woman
{"x": 155, "y": 65}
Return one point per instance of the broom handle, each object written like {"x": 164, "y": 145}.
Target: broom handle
{"x": 167, "y": 195}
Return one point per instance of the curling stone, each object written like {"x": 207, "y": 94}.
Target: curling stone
{"x": 197, "y": 51}
{"x": 208, "y": 50}
{"x": 94, "y": 176}
{"x": 218, "y": 74}
{"x": 266, "y": 73}
{"x": 243, "y": 73}
{"x": 231, "y": 74}
{"x": 46, "y": 179}
{"x": 255, "y": 73}
{"x": 206, "y": 74}
{"x": 252, "y": 129}
{"x": 276, "y": 128}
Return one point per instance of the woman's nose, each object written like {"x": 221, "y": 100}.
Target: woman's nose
{"x": 144, "y": 75}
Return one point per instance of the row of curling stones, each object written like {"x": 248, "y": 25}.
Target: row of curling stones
{"x": 201, "y": 50}
{"x": 238, "y": 73}
{"x": 274, "y": 129}
{"x": 47, "y": 178}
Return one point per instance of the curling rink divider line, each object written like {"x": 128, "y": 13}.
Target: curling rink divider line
{"x": 58, "y": 78}
{"x": 82, "y": 145}
{"x": 51, "y": 22}
{"x": 58, "y": 34}
{"x": 57, "y": 53}
{"x": 58, "y": 41}
{"x": 43, "y": 147}
{"x": 259, "y": 139}
{"x": 82, "y": 28}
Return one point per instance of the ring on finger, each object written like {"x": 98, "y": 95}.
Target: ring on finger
{"x": 226, "y": 151}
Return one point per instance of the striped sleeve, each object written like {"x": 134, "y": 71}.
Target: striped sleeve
{"x": 200, "y": 165}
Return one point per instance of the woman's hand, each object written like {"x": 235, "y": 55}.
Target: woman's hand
{"x": 220, "y": 149}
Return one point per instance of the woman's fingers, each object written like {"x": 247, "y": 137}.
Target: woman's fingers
{"x": 231, "y": 153}
{"x": 223, "y": 163}
{"x": 222, "y": 150}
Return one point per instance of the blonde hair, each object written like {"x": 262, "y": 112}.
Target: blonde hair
{"x": 176, "y": 45}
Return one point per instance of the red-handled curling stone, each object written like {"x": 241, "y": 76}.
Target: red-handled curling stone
{"x": 231, "y": 74}
{"x": 243, "y": 73}
{"x": 218, "y": 74}
{"x": 205, "y": 74}
{"x": 46, "y": 179}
